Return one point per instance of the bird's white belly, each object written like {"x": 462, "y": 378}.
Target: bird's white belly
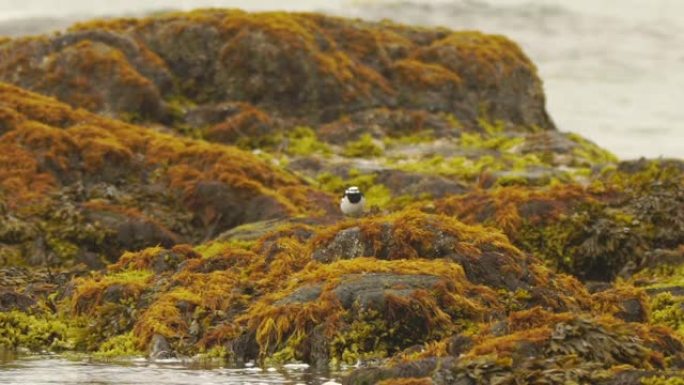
{"x": 352, "y": 209}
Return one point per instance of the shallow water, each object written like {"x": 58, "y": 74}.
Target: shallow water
{"x": 55, "y": 370}
{"x": 613, "y": 70}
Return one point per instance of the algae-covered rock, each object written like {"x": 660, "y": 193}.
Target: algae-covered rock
{"x": 568, "y": 348}
{"x": 273, "y": 293}
{"x": 495, "y": 249}
{"x": 94, "y": 185}
{"x": 98, "y": 70}
{"x": 614, "y": 226}
{"x": 300, "y": 65}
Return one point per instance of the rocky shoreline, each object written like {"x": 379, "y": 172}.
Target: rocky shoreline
{"x": 169, "y": 184}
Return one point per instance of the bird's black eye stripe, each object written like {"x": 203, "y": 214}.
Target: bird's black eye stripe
{"x": 354, "y": 198}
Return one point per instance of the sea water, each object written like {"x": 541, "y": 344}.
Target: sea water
{"x": 56, "y": 370}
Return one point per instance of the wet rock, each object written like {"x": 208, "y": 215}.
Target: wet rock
{"x": 487, "y": 270}
{"x": 11, "y": 300}
{"x": 642, "y": 164}
{"x": 482, "y": 82}
{"x": 499, "y": 328}
{"x": 370, "y": 291}
{"x": 114, "y": 293}
{"x": 347, "y": 244}
{"x": 384, "y": 122}
{"x": 398, "y": 182}
{"x": 674, "y": 290}
{"x": 284, "y": 71}
{"x": 129, "y": 232}
{"x": 92, "y": 260}
{"x": 302, "y": 295}
{"x": 597, "y": 287}
{"x": 532, "y": 176}
{"x": 211, "y": 114}
{"x": 160, "y": 348}
{"x": 255, "y": 230}
{"x": 389, "y": 240}
{"x": 459, "y": 344}
{"x": 123, "y": 82}
{"x": 405, "y": 370}
{"x": 633, "y": 310}
{"x": 187, "y": 48}
{"x": 547, "y": 142}
{"x": 249, "y": 125}
{"x": 319, "y": 350}
{"x": 219, "y": 206}
{"x": 418, "y": 185}
{"x": 243, "y": 349}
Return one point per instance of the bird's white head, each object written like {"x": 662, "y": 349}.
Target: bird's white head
{"x": 352, "y": 190}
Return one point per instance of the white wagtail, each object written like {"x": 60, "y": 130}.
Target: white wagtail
{"x": 352, "y": 202}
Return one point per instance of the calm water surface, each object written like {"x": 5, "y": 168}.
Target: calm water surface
{"x": 55, "y": 370}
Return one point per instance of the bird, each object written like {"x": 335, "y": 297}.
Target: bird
{"x": 352, "y": 202}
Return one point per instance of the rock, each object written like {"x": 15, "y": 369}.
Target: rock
{"x": 642, "y": 164}
{"x": 674, "y": 290}
{"x": 210, "y": 114}
{"x": 370, "y": 291}
{"x": 129, "y": 231}
{"x": 11, "y": 300}
{"x": 633, "y": 310}
{"x": 114, "y": 293}
{"x": 405, "y": 371}
{"x": 418, "y": 185}
{"x": 243, "y": 349}
{"x": 220, "y": 207}
{"x": 302, "y": 295}
{"x": 533, "y": 176}
{"x": 458, "y": 345}
{"x": 248, "y": 125}
{"x": 285, "y": 71}
{"x": 254, "y": 230}
{"x": 388, "y": 239}
{"x": 383, "y": 122}
{"x": 550, "y": 142}
{"x": 160, "y": 348}
{"x": 128, "y": 78}
{"x": 347, "y": 244}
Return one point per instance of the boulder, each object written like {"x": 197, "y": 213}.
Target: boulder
{"x": 11, "y": 300}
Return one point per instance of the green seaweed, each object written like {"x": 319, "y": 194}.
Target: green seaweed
{"x": 364, "y": 147}
{"x": 37, "y": 333}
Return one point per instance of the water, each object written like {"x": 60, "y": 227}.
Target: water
{"x": 43, "y": 370}
{"x": 612, "y": 69}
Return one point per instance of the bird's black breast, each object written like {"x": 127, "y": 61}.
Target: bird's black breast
{"x": 354, "y": 198}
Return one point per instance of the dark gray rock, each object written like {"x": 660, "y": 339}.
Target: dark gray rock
{"x": 219, "y": 206}
{"x": 160, "y": 348}
{"x": 11, "y": 300}
{"x": 347, "y": 244}
{"x": 553, "y": 142}
{"x": 370, "y": 291}
{"x": 302, "y": 295}
{"x": 459, "y": 344}
{"x": 129, "y": 232}
{"x": 633, "y": 310}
